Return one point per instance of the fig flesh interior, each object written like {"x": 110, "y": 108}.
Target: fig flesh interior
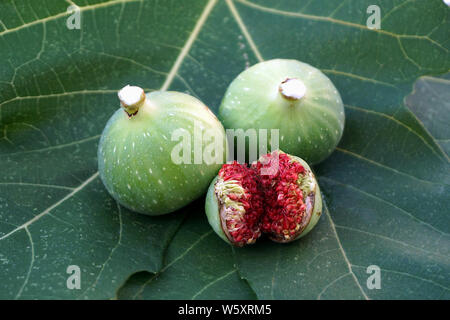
{"x": 240, "y": 203}
{"x": 288, "y": 196}
{"x": 274, "y": 196}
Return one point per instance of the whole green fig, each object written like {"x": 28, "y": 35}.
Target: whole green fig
{"x": 160, "y": 151}
{"x": 293, "y": 97}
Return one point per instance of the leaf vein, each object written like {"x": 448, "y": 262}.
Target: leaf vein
{"x": 336, "y": 21}
{"x": 409, "y": 214}
{"x": 244, "y": 30}
{"x": 409, "y": 275}
{"x": 212, "y": 283}
{"x": 391, "y": 118}
{"x": 331, "y": 283}
{"x": 54, "y": 147}
{"x": 53, "y": 206}
{"x": 187, "y": 46}
{"x": 344, "y": 255}
{"x": 27, "y": 277}
{"x": 382, "y": 165}
{"x": 94, "y": 284}
{"x": 63, "y": 14}
{"x": 392, "y": 240}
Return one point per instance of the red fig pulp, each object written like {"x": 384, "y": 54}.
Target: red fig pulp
{"x": 278, "y": 196}
{"x": 242, "y": 203}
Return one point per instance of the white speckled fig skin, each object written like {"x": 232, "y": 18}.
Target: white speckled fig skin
{"x": 213, "y": 211}
{"x": 134, "y": 154}
{"x": 309, "y": 127}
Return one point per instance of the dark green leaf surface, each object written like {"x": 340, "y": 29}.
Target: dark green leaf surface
{"x": 197, "y": 266}
{"x": 386, "y": 187}
{"x": 430, "y": 102}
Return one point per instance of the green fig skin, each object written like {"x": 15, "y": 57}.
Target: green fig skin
{"x": 309, "y": 127}
{"x": 134, "y": 154}
{"x": 212, "y": 211}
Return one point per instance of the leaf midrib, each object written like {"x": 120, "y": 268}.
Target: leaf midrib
{"x": 63, "y": 14}
{"x": 53, "y": 206}
{"x": 337, "y": 21}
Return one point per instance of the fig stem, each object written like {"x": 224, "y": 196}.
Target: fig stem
{"x": 292, "y": 89}
{"x": 131, "y": 99}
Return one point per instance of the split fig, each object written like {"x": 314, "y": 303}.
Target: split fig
{"x": 277, "y": 196}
